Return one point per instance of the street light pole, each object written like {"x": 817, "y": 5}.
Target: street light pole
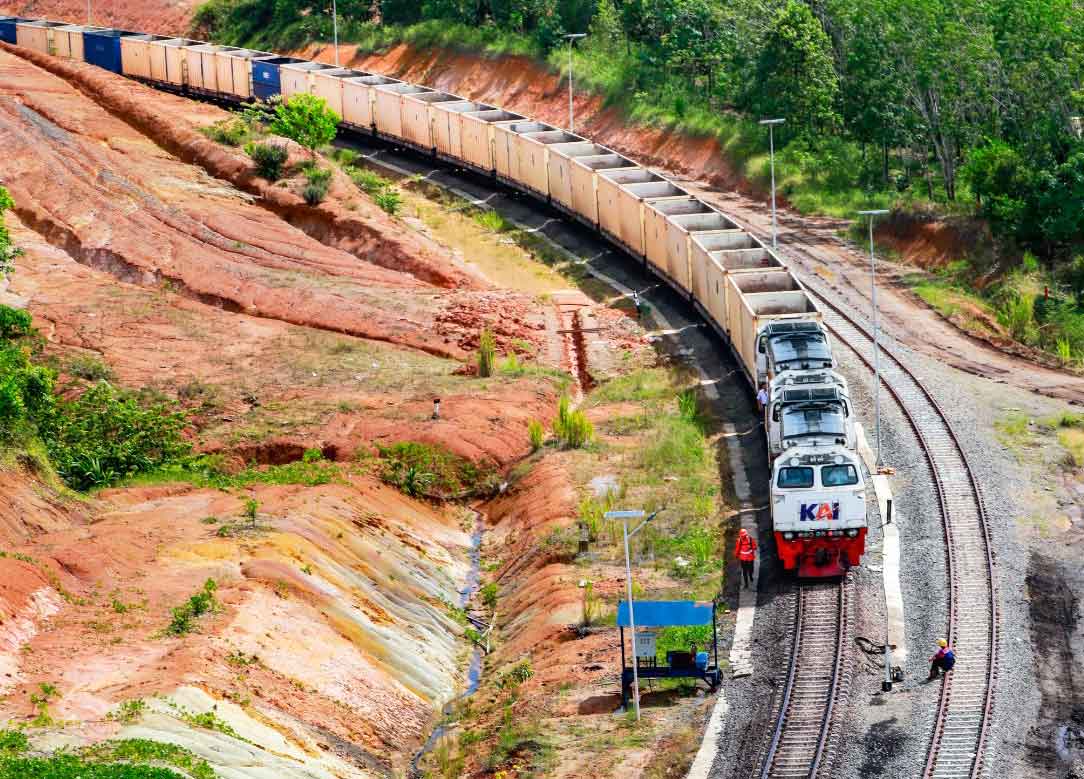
{"x": 771, "y": 147}
{"x": 88, "y": 13}
{"x": 625, "y": 516}
{"x": 335, "y": 28}
{"x": 876, "y": 338}
{"x": 571, "y": 37}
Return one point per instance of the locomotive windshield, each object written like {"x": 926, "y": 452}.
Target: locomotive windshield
{"x": 792, "y": 350}
{"x": 813, "y": 419}
{"x": 795, "y": 478}
{"x": 838, "y": 475}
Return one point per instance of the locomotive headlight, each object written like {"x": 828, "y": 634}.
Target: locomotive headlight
{"x": 788, "y": 536}
{"x": 852, "y": 533}
{"x": 794, "y": 462}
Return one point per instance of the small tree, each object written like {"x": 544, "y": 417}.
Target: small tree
{"x": 487, "y": 350}
{"x": 252, "y": 508}
{"x": 306, "y": 119}
{"x": 8, "y": 253}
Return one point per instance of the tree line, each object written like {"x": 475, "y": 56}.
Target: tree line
{"x": 973, "y": 103}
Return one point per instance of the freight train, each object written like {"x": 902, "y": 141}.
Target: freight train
{"x": 738, "y": 284}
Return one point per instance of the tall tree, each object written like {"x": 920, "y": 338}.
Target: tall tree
{"x": 795, "y": 76}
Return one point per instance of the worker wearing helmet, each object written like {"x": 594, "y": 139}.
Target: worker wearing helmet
{"x": 942, "y": 660}
{"x": 746, "y": 551}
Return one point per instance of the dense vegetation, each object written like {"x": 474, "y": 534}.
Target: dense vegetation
{"x": 884, "y": 100}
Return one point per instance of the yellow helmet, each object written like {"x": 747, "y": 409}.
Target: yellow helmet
{"x": 942, "y": 642}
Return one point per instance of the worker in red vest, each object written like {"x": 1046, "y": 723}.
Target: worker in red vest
{"x": 746, "y": 551}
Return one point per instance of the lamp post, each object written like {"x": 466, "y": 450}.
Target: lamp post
{"x": 876, "y": 340}
{"x": 625, "y": 516}
{"x": 335, "y": 28}
{"x": 771, "y": 151}
{"x": 88, "y": 13}
{"x": 571, "y": 38}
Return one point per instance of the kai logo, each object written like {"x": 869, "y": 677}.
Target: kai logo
{"x": 816, "y": 512}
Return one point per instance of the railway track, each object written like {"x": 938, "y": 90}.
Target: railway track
{"x": 963, "y": 716}
{"x": 801, "y": 742}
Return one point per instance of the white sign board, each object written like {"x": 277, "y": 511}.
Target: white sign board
{"x": 645, "y": 644}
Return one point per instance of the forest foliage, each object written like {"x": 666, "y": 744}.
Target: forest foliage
{"x": 971, "y": 104}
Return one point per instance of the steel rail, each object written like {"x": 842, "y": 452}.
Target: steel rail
{"x": 956, "y": 751}
{"x": 811, "y": 687}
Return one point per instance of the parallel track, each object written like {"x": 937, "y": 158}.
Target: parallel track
{"x": 800, "y": 742}
{"x": 964, "y": 710}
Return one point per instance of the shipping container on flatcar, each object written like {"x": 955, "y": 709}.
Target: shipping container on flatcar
{"x": 201, "y": 67}
{"x": 387, "y": 107}
{"x": 448, "y": 126}
{"x": 417, "y": 108}
{"x": 477, "y": 141}
{"x": 68, "y": 40}
{"x": 559, "y": 169}
{"x": 102, "y": 48}
{"x": 266, "y": 79}
{"x": 656, "y": 233}
{"x": 234, "y": 70}
{"x": 135, "y": 55}
{"x": 328, "y": 84}
{"x": 8, "y": 28}
{"x": 585, "y": 173}
{"x": 505, "y": 146}
{"x": 37, "y": 35}
{"x": 732, "y": 249}
{"x": 533, "y": 152}
{"x": 620, "y": 202}
{"x": 297, "y": 77}
{"x": 757, "y": 300}
{"x": 681, "y": 225}
{"x": 358, "y": 99}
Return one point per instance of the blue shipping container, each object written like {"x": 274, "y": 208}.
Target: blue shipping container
{"x": 265, "y": 76}
{"x": 102, "y": 48}
{"x": 7, "y": 28}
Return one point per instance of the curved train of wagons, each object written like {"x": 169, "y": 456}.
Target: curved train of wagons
{"x": 738, "y": 284}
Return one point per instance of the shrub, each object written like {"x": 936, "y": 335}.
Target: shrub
{"x": 229, "y": 132}
{"x": 489, "y": 595}
{"x": 252, "y": 508}
{"x": 487, "y": 349}
{"x": 369, "y": 181}
{"x": 306, "y": 119}
{"x": 389, "y": 200}
{"x": 314, "y": 194}
{"x": 516, "y": 675}
{"x": 184, "y": 616}
{"x": 107, "y": 434}
{"x": 433, "y": 470}
{"x": 269, "y": 158}
{"x": 90, "y": 368}
{"x": 536, "y": 433}
{"x": 572, "y": 428}
{"x": 14, "y": 322}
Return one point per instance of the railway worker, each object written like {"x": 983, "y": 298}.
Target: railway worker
{"x": 746, "y": 551}
{"x": 762, "y": 400}
{"x": 942, "y": 660}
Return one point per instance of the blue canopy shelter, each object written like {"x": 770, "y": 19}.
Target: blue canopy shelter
{"x": 669, "y": 613}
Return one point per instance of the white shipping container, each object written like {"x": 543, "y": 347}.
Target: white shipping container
{"x": 448, "y": 125}
{"x": 679, "y": 228}
{"x": 387, "y": 112}
{"x": 135, "y": 54}
{"x": 417, "y": 110}
{"x": 505, "y": 148}
{"x": 296, "y": 77}
{"x": 754, "y": 300}
{"x": 532, "y": 149}
{"x": 358, "y": 99}
{"x": 655, "y": 225}
{"x": 477, "y": 140}
{"x": 37, "y": 35}
{"x": 585, "y": 181}
{"x": 559, "y": 164}
{"x": 328, "y": 84}
{"x": 631, "y": 198}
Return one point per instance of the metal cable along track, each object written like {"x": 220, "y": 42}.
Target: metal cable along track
{"x": 964, "y": 710}
{"x": 800, "y": 742}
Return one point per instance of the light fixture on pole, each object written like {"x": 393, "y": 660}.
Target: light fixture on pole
{"x": 335, "y": 28}
{"x": 625, "y": 516}
{"x": 571, "y": 38}
{"x": 876, "y": 339}
{"x": 771, "y": 151}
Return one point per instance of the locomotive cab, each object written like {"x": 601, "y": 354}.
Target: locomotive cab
{"x": 801, "y": 345}
{"x": 809, "y": 409}
{"x": 818, "y": 511}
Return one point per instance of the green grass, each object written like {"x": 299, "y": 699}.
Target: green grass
{"x": 638, "y": 385}
{"x": 122, "y": 759}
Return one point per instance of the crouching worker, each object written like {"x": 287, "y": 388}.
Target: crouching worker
{"x": 943, "y": 660}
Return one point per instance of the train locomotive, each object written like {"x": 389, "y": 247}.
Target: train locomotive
{"x": 758, "y": 307}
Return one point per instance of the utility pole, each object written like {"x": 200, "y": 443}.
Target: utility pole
{"x": 771, "y": 150}
{"x": 625, "y": 516}
{"x": 571, "y": 38}
{"x": 335, "y": 28}
{"x": 876, "y": 338}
